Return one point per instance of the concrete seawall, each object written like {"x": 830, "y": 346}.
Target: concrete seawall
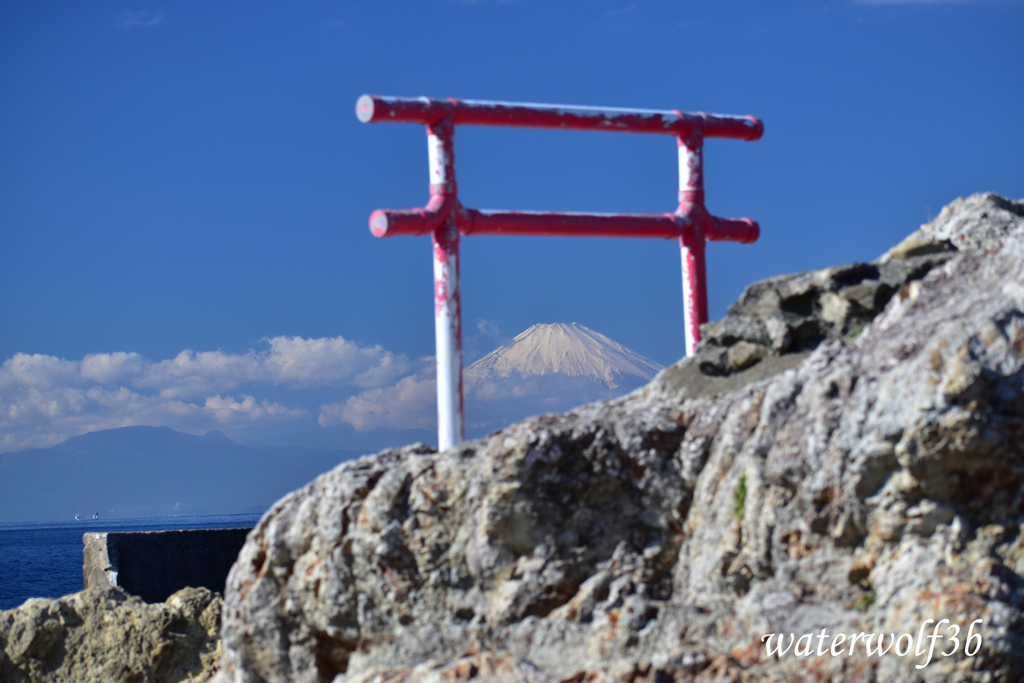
{"x": 155, "y": 564}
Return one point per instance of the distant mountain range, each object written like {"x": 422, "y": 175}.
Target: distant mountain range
{"x": 151, "y": 472}
{"x": 157, "y": 471}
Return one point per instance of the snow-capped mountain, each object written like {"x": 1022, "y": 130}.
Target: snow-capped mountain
{"x": 572, "y": 350}
{"x": 546, "y": 369}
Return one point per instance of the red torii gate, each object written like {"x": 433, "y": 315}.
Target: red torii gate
{"x": 444, "y": 217}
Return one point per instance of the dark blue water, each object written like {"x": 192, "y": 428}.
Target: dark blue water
{"x": 44, "y": 559}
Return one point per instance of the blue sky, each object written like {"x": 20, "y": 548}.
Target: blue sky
{"x": 191, "y": 177}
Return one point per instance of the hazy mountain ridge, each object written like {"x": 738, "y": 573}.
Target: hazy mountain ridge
{"x": 152, "y": 471}
{"x": 145, "y": 471}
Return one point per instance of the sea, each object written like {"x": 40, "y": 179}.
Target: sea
{"x": 44, "y": 559}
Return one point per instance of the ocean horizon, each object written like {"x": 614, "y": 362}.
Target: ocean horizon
{"x": 44, "y": 559}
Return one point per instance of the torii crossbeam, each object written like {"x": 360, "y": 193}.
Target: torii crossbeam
{"x": 444, "y": 217}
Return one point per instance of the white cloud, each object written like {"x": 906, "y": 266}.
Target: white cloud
{"x": 229, "y": 411}
{"x": 45, "y": 399}
{"x": 37, "y": 371}
{"x": 409, "y": 404}
{"x": 489, "y": 328}
{"x": 34, "y": 418}
{"x": 321, "y": 362}
{"x": 481, "y": 338}
{"x": 492, "y": 400}
{"x": 293, "y": 361}
{"x": 109, "y": 368}
{"x": 130, "y": 19}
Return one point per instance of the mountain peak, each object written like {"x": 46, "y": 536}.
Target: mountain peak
{"x": 568, "y": 349}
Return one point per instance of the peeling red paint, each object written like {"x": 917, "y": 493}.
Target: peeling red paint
{"x": 426, "y": 111}
{"x": 445, "y": 219}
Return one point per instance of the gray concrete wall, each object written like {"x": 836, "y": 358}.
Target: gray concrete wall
{"x": 155, "y": 564}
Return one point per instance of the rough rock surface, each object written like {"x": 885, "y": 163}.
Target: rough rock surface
{"x": 102, "y": 635}
{"x": 864, "y": 486}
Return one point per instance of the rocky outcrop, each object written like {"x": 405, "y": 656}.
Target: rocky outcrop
{"x": 101, "y": 635}
{"x": 794, "y": 313}
{"x": 872, "y": 485}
